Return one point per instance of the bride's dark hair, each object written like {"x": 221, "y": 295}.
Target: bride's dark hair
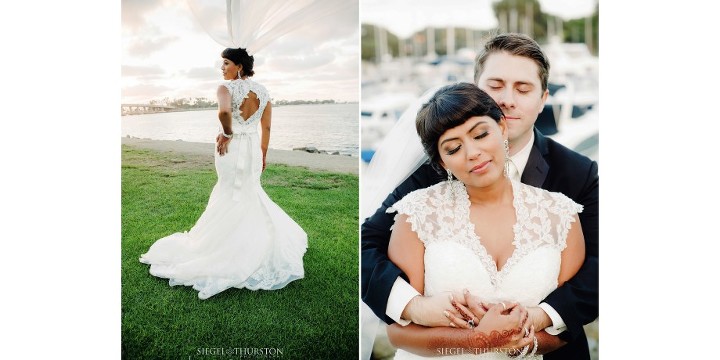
{"x": 240, "y": 56}
{"x": 450, "y": 107}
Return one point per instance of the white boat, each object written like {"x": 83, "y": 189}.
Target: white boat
{"x": 574, "y": 100}
{"x": 581, "y": 134}
{"x": 377, "y": 116}
{"x": 570, "y": 60}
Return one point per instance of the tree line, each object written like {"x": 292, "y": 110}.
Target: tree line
{"x": 203, "y": 103}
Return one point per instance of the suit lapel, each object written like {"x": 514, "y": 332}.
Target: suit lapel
{"x": 537, "y": 168}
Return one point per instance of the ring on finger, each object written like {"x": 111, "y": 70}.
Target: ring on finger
{"x": 471, "y": 322}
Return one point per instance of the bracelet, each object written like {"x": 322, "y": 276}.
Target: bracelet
{"x": 226, "y": 135}
{"x": 523, "y": 352}
{"x": 535, "y": 346}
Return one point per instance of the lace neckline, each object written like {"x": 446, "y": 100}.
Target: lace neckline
{"x": 485, "y": 257}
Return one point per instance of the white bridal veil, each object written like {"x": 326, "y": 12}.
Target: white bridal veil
{"x": 399, "y": 154}
{"x": 253, "y": 24}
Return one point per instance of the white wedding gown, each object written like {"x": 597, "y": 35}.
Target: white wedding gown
{"x": 242, "y": 239}
{"x": 455, "y": 259}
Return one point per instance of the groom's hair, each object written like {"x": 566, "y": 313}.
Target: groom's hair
{"x": 451, "y": 106}
{"x": 518, "y": 45}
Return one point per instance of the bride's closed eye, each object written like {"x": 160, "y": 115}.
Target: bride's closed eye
{"x": 454, "y": 150}
{"x": 482, "y": 135}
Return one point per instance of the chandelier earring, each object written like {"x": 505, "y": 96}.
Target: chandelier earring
{"x": 451, "y": 193}
{"x": 506, "y": 172}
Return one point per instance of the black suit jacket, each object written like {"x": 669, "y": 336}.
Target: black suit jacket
{"x": 550, "y": 166}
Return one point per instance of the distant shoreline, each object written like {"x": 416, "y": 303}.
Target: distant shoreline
{"x": 215, "y": 108}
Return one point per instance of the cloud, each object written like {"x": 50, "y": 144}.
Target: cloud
{"x": 308, "y": 89}
{"x": 338, "y": 79}
{"x": 196, "y": 89}
{"x": 146, "y": 46}
{"x": 288, "y": 45}
{"x": 144, "y": 92}
{"x": 133, "y": 12}
{"x": 166, "y": 54}
{"x": 142, "y": 71}
{"x": 204, "y": 73}
{"x": 344, "y": 69}
{"x": 337, "y": 25}
{"x": 298, "y": 63}
{"x": 319, "y": 80}
{"x": 350, "y": 44}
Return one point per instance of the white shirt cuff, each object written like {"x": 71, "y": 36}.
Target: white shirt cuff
{"x": 400, "y": 295}
{"x": 558, "y": 325}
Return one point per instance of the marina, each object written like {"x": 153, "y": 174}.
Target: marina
{"x": 570, "y": 115}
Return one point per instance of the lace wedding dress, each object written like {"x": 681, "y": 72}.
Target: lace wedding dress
{"x": 455, "y": 258}
{"x": 242, "y": 239}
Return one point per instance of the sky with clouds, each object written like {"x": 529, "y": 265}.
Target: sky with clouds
{"x": 166, "y": 53}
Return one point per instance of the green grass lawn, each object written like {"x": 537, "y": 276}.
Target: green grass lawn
{"x": 312, "y": 318}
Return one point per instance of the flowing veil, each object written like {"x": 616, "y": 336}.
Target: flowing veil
{"x": 255, "y": 24}
{"x": 399, "y": 154}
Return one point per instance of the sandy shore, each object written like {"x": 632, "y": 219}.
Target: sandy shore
{"x": 335, "y": 163}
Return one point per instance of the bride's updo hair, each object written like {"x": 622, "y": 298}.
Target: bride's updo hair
{"x": 240, "y": 56}
{"x": 450, "y": 107}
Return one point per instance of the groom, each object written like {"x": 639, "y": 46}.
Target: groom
{"x": 513, "y": 70}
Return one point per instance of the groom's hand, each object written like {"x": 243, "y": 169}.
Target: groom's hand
{"x": 539, "y": 317}
{"x": 431, "y": 310}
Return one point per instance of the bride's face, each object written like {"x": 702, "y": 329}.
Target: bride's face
{"x": 474, "y": 151}
{"x": 229, "y": 69}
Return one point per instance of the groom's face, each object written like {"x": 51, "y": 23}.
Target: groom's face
{"x": 514, "y": 83}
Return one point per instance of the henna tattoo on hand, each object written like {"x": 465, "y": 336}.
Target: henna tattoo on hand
{"x": 477, "y": 342}
{"x": 462, "y": 313}
{"x": 486, "y": 342}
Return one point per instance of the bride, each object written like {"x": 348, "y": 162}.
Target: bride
{"x": 480, "y": 231}
{"x": 242, "y": 239}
